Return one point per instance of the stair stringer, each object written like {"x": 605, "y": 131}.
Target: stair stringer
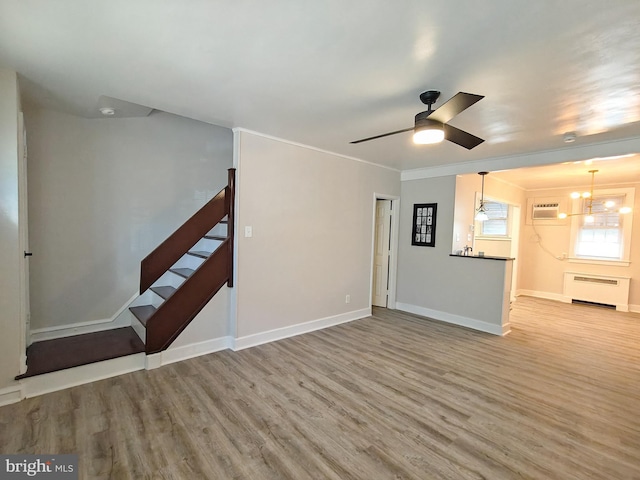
{"x": 175, "y": 313}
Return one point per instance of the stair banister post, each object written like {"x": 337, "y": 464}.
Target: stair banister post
{"x": 231, "y": 198}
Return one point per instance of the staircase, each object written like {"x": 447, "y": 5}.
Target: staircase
{"x": 185, "y": 271}
{"x": 177, "y": 280}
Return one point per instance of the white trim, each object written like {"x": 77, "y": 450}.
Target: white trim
{"x": 91, "y": 326}
{"x": 626, "y": 228}
{"x": 23, "y": 241}
{"x": 393, "y": 247}
{"x": 285, "y": 332}
{"x": 71, "y": 377}
{"x": 509, "y": 162}
{"x": 393, "y": 264}
{"x": 309, "y": 147}
{"x": 588, "y": 261}
{"x": 11, "y": 395}
{"x": 177, "y": 354}
{"x": 558, "y": 297}
{"x": 233, "y": 293}
{"x": 455, "y": 319}
{"x": 153, "y": 361}
{"x": 495, "y": 238}
{"x": 561, "y": 298}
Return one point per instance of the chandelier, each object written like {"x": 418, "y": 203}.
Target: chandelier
{"x": 588, "y": 196}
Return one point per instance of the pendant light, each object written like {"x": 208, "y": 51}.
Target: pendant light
{"x": 481, "y": 212}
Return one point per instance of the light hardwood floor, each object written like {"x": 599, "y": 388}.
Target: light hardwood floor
{"x": 388, "y": 397}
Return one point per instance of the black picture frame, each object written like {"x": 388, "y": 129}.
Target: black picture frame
{"x": 423, "y": 233}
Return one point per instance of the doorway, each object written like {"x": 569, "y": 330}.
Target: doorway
{"x": 383, "y": 270}
{"x": 23, "y": 228}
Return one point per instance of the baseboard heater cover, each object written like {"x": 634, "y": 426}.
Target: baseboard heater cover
{"x": 597, "y": 289}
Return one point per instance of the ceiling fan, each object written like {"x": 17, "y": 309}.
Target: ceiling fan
{"x": 431, "y": 125}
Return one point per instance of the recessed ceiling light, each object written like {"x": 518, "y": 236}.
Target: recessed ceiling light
{"x": 107, "y": 111}
{"x": 569, "y": 137}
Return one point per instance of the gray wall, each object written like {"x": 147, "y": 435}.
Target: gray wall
{"x": 312, "y": 218}
{"x": 454, "y": 289}
{"x": 102, "y": 194}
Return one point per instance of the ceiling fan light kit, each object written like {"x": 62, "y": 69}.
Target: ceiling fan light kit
{"x": 427, "y": 131}
{"x": 431, "y": 125}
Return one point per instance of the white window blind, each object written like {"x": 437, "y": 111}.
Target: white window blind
{"x": 498, "y": 214}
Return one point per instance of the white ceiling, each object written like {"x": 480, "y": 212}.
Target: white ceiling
{"x": 613, "y": 170}
{"x": 323, "y": 73}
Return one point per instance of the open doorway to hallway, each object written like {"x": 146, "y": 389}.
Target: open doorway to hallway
{"x": 385, "y": 236}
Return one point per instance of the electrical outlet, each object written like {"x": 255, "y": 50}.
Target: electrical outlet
{"x": 457, "y": 237}
{"x": 469, "y": 237}
{"x": 347, "y": 299}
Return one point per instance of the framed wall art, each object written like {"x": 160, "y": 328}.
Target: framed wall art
{"x": 424, "y": 224}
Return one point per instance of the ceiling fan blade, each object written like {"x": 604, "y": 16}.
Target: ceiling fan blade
{"x": 460, "y": 137}
{"x": 383, "y": 135}
{"x": 452, "y": 107}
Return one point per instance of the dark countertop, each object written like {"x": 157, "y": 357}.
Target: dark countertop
{"x": 484, "y": 257}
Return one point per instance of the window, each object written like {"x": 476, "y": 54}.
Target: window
{"x": 497, "y": 224}
{"x": 605, "y": 235}
{"x": 601, "y": 234}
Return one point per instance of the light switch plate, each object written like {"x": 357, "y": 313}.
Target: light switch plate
{"x": 248, "y": 231}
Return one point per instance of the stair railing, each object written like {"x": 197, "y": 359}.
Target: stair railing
{"x": 177, "y": 311}
{"x": 154, "y": 265}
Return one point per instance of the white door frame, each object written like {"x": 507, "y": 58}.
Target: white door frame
{"x": 516, "y": 222}
{"x": 23, "y": 228}
{"x": 393, "y": 252}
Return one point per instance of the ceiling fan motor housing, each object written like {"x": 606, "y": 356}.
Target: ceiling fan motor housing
{"x": 422, "y": 121}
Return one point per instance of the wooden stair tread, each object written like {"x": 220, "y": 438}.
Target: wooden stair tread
{"x": 164, "y": 291}
{"x": 199, "y": 253}
{"x": 143, "y": 312}
{"x": 215, "y": 237}
{"x": 183, "y": 272}
{"x": 68, "y": 352}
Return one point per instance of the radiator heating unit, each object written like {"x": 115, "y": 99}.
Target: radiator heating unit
{"x": 602, "y": 289}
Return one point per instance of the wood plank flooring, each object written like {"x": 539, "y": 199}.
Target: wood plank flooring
{"x": 392, "y": 396}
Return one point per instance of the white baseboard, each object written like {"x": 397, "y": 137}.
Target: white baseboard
{"x": 11, "y": 395}
{"x": 293, "y": 330}
{"x": 153, "y": 361}
{"x": 69, "y": 330}
{"x": 558, "y": 297}
{"x": 51, "y": 382}
{"x": 177, "y": 354}
{"x": 455, "y": 319}
{"x": 71, "y": 377}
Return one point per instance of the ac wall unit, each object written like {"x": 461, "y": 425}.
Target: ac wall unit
{"x": 545, "y": 211}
